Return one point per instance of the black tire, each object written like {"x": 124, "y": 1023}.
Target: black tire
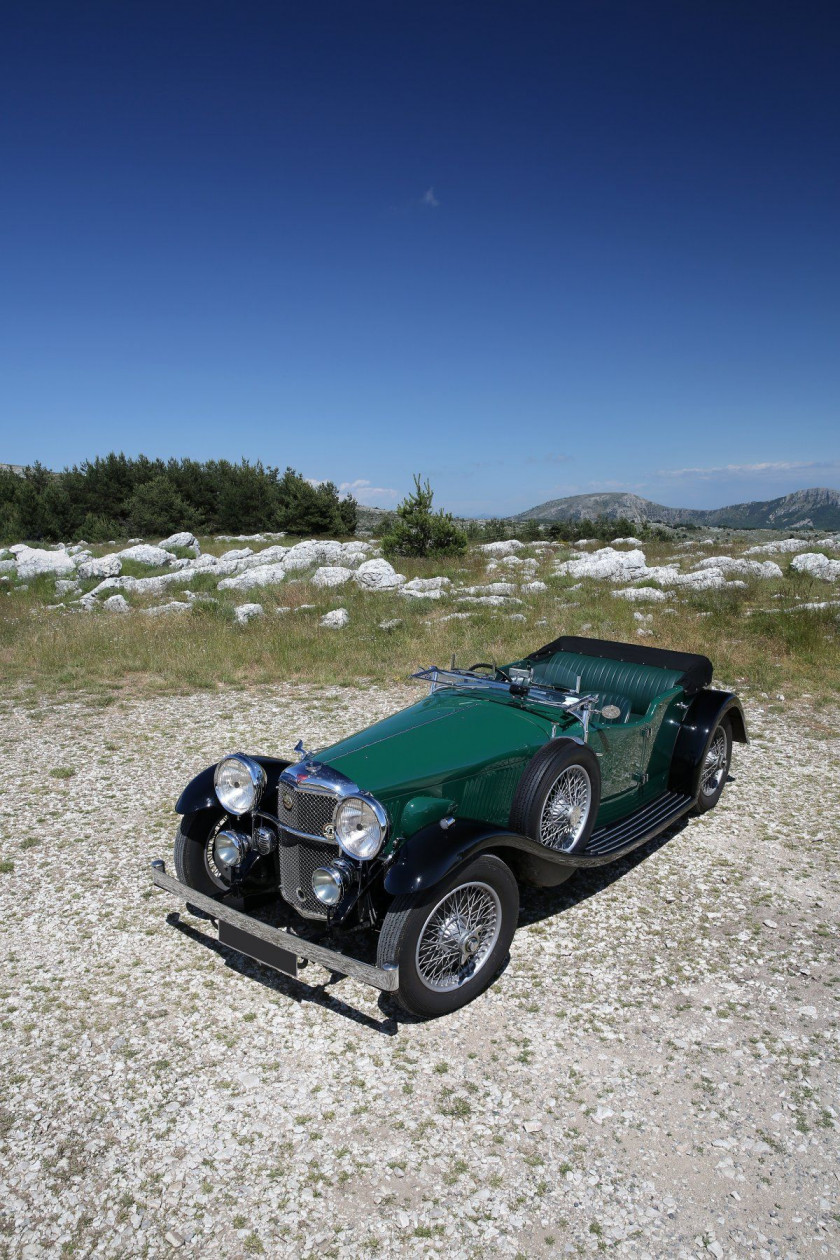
{"x": 709, "y": 794}
{"x": 536, "y": 785}
{"x": 494, "y": 886}
{"x": 193, "y": 855}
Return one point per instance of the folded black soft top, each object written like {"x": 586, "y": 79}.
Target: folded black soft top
{"x": 696, "y": 670}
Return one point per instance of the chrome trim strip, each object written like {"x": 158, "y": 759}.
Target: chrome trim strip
{"x": 385, "y": 978}
{"x": 307, "y": 835}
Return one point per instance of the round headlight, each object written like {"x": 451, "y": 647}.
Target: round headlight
{"x": 359, "y": 827}
{"x": 239, "y": 783}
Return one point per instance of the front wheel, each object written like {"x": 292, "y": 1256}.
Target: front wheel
{"x": 715, "y": 769}
{"x": 450, "y": 941}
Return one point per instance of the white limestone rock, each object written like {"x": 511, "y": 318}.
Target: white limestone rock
{"x": 235, "y": 553}
{"x": 435, "y": 593}
{"x": 534, "y": 588}
{"x": 268, "y": 555}
{"x": 492, "y": 588}
{"x": 304, "y": 555}
{"x": 378, "y": 575}
{"x": 392, "y": 624}
{"x": 264, "y": 575}
{"x": 643, "y": 594}
{"x": 491, "y": 601}
{"x": 427, "y": 584}
{"x": 335, "y": 620}
{"x": 607, "y": 564}
{"x": 781, "y": 546}
{"x": 165, "y": 610}
{"x": 506, "y": 547}
{"x": 117, "y": 604}
{"x": 67, "y": 586}
{"x": 184, "y": 539}
{"x": 33, "y": 561}
{"x": 247, "y": 612}
{"x": 629, "y": 542}
{"x": 457, "y": 616}
{"x": 145, "y": 586}
{"x": 331, "y": 575}
{"x": 101, "y": 567}
{"x": 747, "y": 568}
{"x": 145, "y": 553}
{"x": 8, "y": 566}
{"x": 812, "y": 562}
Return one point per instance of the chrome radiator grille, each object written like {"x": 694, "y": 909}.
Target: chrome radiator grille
{"x": 298, "y": 859}
{"x": 310, "y": 812}
{"x": 305, "y": 811}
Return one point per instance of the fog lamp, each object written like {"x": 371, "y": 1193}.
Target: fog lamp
{"x": 230, "y": 847}
{"x": 329, "y": 883}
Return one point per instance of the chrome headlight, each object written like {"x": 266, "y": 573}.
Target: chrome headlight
{"x": 360, "y": 826}
{"x": 239, "y": 783}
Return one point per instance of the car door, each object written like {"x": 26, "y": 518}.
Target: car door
{"x": 620, "y": 748}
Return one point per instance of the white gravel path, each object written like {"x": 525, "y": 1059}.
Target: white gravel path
{"x": 654, "y": 1074}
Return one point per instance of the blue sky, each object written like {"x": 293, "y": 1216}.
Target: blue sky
{"x": 527, "y": 249}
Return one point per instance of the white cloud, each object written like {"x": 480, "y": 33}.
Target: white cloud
{"x": 429, "y": 199}
{"x": 368, "y": 495}
{"x": 767, "y": 467}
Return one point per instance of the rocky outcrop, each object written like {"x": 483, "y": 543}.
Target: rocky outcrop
{"x": 378, "y": 575}
{"x": 101, "y": 567}
{"x": 335, "y": 620}
{"x": 185, "y": 540}
{"x": 264, "y": 575}
{"x": 331, "y": 575}
{"x": 145, "y": 553}
{"x": 117, "y": 604}
{"x": 247, "y": 612}
{"x": 817, "y": 565}
{"x": 31, "y": 562}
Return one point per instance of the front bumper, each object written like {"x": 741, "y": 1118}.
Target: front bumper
{"x": 274, "y": 946}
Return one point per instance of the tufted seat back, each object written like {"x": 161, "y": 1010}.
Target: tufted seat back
{"x": 631, "y": 687}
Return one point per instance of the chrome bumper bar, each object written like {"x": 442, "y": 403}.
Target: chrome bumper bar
{"x": 385, "y": 978}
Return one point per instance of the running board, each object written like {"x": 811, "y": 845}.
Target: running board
{"x": 616, "y": 839}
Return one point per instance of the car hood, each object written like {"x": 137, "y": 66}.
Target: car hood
{"x": 438, "y": 740}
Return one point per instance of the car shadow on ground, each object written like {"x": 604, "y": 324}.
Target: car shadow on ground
{"x": 536, "y": 904}
{"x": 299, "y": 991}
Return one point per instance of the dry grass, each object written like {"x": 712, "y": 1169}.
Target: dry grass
{"x": 753, "y": 648}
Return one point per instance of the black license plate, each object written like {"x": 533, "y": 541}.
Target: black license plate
{"x": 255, "y": 947}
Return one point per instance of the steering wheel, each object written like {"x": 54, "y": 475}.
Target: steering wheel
{"x": 494, "y": 670}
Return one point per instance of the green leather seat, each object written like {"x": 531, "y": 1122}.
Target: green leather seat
{"x": 630, "y": 686}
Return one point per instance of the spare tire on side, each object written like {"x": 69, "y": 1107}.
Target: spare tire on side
{"x": 558, "y": 796}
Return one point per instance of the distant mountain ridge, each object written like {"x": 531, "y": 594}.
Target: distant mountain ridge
{"x": 818, "y": 508}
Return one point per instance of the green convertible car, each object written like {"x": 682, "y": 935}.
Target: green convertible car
{"x": 419, "y": 829}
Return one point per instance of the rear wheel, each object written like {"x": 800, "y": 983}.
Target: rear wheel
{"x": 715, "y": 769}
{"x": 450, "y": 941}
{"x": 557, "y": 799}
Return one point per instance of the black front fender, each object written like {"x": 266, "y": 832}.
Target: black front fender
{"x": 695, "y": 736}
{"x": 431, "y": 854}
{"x": 200, "y": 793}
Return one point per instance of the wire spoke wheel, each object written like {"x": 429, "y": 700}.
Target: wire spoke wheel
{"x": 715, "y": 764}
{"x": 458, "y": 936}
{"x": 566, "y": 809}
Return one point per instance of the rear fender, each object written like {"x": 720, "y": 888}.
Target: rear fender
{"x": 432, "y": 854}
{"x": 695, "y": 736}
{"x": 201, "y": 794}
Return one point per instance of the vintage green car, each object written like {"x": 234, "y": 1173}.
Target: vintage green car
{"x": 419, "y": 828}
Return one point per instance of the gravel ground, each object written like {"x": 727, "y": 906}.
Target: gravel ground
{"x": 653, "y": 1074}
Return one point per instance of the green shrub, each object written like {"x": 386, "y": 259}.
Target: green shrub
{"x": 418, "y": 531}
